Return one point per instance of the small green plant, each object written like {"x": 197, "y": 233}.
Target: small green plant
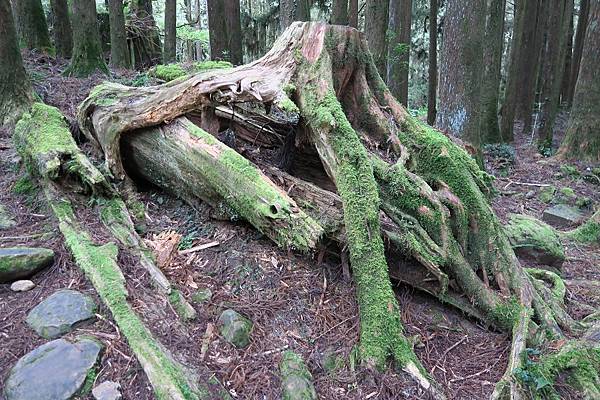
{"x": 24, "y": 186}
{"x": 545, "y": 148}
{"x": 501, "y": 151}
{"x": 188, "y": 240}
{"x": 530, "y": 374}
{"x": 569, "y": 170}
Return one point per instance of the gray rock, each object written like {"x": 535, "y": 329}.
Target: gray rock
{"x": 56, "y": 370}
{"x": 296, "y": 378}
{"x": 60, "y": 313}
{"x": 22, "y": 262}
{"x": 235, "y": 328}
{"x": 562, "y": 214}
{"x": 107, "y": 390}
{"x": 534, "y": 239}
{"x": 6, "y": 220}
{"x": 22, "y": 286}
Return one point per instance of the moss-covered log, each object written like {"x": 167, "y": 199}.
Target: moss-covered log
{"x": 414, "y": 204}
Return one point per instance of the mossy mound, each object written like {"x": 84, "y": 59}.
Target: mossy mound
{"x": 532, "y": 238}
{"x": 171, "y": 72}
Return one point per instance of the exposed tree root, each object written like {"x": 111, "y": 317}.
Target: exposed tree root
{"x": 414, "y": 204}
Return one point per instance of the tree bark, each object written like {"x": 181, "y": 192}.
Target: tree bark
{"x": 170, "y": 42}
{"x": 62, "y": 31}
{"x": 433, "y": 67}
{"x": 31, "y": 24}
{"x": 87, "y": 50}
{"x": 119, "y": 50}
{"x": 15, "y": 90}
{"x": 582, "y": 140}
{"x": 494, "y": 41}
{"x": 459, "y": 109}
{"x": 147, "y": 49}
{"x": 293, "y": 10}
{"x": 225, "y": 30}
{"x": 584, "y": 10}
{"x": 399, "y": 49}
{"x": 353, "y": 13}
{"x": 339, "y": 12}
{"x": 566, "y": 78}
{"x": 376, "y": 26}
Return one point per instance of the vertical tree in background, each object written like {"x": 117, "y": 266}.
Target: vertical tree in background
{"x": 583, "y": 134}
{"x": 87, "y": 50}
{"x": 339, "y": 12}
{"x": 225, "y": 30}
{"x": 582, "y": 21}
{"x": 147, "y": 49}
{"x": 552, "y": 70}
{"x": 433, "y": 69}
{"x": 119, "y": 51}
{"x": 15, "y": 91}
{"x": 376, "y": 25}
{"x": 566, "y": 77}
{"x": 353, "y": 13}
{"x": 400, "y": 19}
{"x": 461, "y": 70}
{"x": 293, "y": 10}
{"x": 492, "y": 56}
{"x": 62, "y": 32}
{"x": 169, "y": 51}
{"x": 31, "y": 24}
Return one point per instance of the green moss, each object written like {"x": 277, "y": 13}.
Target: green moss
{"x": 185, "y": 311}
{"x": 285, "y": 104}
{"x": 531, "y": 237}
{"x": 546, "y": 194}
{"x": 211, "y": 65}
{"x": 507, "y": 313}
{"x": 171, "y": 72}
{"x": 567, "y": 192}
{"x": 569, "y": 170}
{"x": 25, "y": 186}
{"x": 589, "y": 232}
{"x": 90, "y": 378}
{"x": 296, "y": 378}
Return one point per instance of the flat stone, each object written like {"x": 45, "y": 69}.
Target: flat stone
{"x": 107, "y": 390}
{"x": 6, "y": 221}
{"x": 235, "y": 328}
{"x": 60, "y": 313}
{"x": 22, "y": 262}
{"x": 562, "y": 214}
{"x": 54, "y": 371}
{"x": 22, "y": 286}
{"x": 296, "y": 378}
{"x": 533, "y": 239}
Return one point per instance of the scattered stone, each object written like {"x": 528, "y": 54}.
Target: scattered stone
{"x": 22, "y": 262}
{"x": 530, "y": 194}
{"x": 561, "y": 214}
{"x": 202, "y": 295}
{"x": 546, "y": 194}
{"x": 56, "y": 370}
{"x": 6, "y": 220}
{"x": 60, "y": 313}
{"x": 107, "y": 390}
{"x": 296, "y": 378}
{"x": 534, "y": 239}
{"x": 235, "y": 328}
{"x": 22, "y": 286}
{"x": 184, "y": 309}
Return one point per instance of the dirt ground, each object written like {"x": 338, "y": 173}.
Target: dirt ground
{"x": 294, "y": 302}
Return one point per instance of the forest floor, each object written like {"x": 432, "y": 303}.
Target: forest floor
{"x": 294, "y": 301}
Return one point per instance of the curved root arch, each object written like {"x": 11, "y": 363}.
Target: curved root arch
{"x": 404, "y": 187}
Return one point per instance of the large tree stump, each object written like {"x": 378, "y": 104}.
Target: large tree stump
{"x": 403, "y": 198}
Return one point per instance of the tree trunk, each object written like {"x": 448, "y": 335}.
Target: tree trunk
{"x": 582, "y": 21}
{"x": 63, "y": 34}
{"x": 494, "y": 41}
{"x": 147, "y": 49}
{"x": 393, "y": 176}
{"x": 87, "y": 50}
{"x": 433, "y": 67}
{"x": 399, "y": 49}
{"x": 583, "y": 134}
{"x": 552, "y": 71}
{"x": 119, "y": 50}
{"x": 376, "y": 27}
{"x": 170, "y": 43}
{"x": 293, "y": 10}
{"x": 566, "y": 77}
{"x": 31, "y": 24}
{"x": 225, "y": 30}
{"x": 339, "y": 12}
{"x": 459, "y": 109}
{"x": 353, "y": 13}
{"x": 15, "y": 91}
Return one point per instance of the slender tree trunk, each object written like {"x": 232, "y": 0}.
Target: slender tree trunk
{"x": 494, "y": 40}
{"x": 225, "y": 30}
{"x": 169, "y": 51}
{"x": 293, "y": 10}
{"x": 583, "y": 134}
{"x": 459, "y": 111}
{"x": 15, "y": 90}
{"x": 119, "y": 50}
{"x": 433, "y": 68}
{"x": 558, "y": 26}
{"x": 87, "y": 50}
{"x": 399, "y": 49}
{"x": 339, "y": 12}
{"x": 148, "y": 50}
{"x": 566, "y": 78}
{"x": 62, "y": 32}
{"x": 31, "y": 24}
{"x": 353, "y": 13}
{"x": 376, "y": 26}
{"x": 582, "y": 22}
